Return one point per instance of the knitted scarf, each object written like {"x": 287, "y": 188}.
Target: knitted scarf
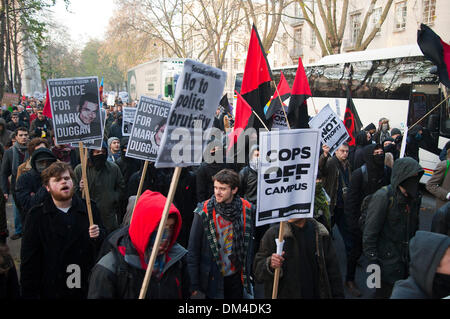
{"x": 233, "y": 213}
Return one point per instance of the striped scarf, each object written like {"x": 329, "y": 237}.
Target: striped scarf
{"x": 211, "y": 235}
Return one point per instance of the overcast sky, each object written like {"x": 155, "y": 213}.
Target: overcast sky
{"x": 86, "y": 19}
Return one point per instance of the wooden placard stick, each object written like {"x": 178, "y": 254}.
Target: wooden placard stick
{"x": 85, "y": 183}
{"x": 162, "y": 223}
{"x": 276, "y": 277}
{"x": 141, "y": 184}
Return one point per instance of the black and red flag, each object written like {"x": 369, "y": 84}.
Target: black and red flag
{"x": 47, "y": 108}
{"x": 298, "y": 109}
{"x": 285, "y": 92}
{"x": 256, "y": 80}
{"x": 435, "y": 50}
{"x": 243, "y": 114}
{"x": 351, "y": 120}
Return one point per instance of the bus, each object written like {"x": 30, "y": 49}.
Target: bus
{"x": 397, "y": 83}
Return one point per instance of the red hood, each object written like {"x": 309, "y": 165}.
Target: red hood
{"x": 146, "y": 218}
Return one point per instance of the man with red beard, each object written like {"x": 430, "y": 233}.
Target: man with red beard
{"x": 59, "y": 247}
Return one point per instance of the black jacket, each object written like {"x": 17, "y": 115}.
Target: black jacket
{"x": 51, "y": 244}
{"x": 29, "y": 189}
{"x": 390, "y": 225}
{"x": 441, "y": 220}
{"x": 249, "y": 184}
{"x": 329, "y": 284}
{"x": 358, "y": 157}
{"x": 358, "y": 189}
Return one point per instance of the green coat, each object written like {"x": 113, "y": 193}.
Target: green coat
{"x": 390, "y": 224}
{"x": 106, "y": 189}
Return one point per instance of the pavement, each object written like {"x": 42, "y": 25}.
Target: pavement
{"x": 425, "y": 218}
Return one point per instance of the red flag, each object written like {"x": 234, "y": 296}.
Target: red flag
{"x": 255, "y": 88}
{"x": 351, "y": 120}
{"x": 47, "y": 108}
{"x": 243, "y": 114}
{"x": 435, "y": 50}
{"x": 298, "y": 110}
{"x": 285, "y": 92}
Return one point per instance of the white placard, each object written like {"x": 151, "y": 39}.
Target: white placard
{"x": 332, "y": 129}
{"x": 197, "y": 96}
{"x": 128, "y": 114}
{"x": 287, "y": 175}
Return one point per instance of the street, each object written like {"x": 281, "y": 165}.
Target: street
{"x": 426, "y": 214}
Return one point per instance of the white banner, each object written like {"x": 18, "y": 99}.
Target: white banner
{"x": 128, "y": 114}
{"x": 332, "y": 129}
{"x": 287, "y": 175}
{"x": 197, "y": 96}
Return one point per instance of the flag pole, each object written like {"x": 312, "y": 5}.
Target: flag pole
{"x": 162, "y": 223}
{"x": 85, "y": 182}
{"x": 429, "y": 112}
{"x": 141, "y": 183}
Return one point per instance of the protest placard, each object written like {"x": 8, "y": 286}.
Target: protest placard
{"x": 404, "y": 142}
{"x": 128, "y": 120}
{"x": 279, "y": 118}
{"x": 111, "y": 100}
{"x": 10, "y": 99}
{"x": 197, "y": 96}
{"x": 75, "y": 109}
{"x": 149, "y": 124}
{"x": 94, "y": 144}
{"x": 287, "y": 175}
{"x": 332, "y": 129}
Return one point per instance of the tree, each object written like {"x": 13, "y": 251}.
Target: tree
{"x": 267, "y": 14}
{"x": 331, "y": 37}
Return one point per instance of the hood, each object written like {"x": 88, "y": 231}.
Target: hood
{"x": 42, "y": 153}
{"x": 368, "y": 154}
{"x": 369, "y": 127}
{"x": 404, "y": 168}
{"x": 426, "y": 250}
{"x": 91, "y": 151}
{"x": 111, "y": 139}
{"x": 146, "y": 218}
{"x": 361, "y": 138}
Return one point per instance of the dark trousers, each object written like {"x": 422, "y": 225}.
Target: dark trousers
{"x": 355, "y": 253}
{"x": 339, "y": 219}
{"x": 3, "y": 222}
{"x": 232, "y": 286}
{"x": 385, "y": 291}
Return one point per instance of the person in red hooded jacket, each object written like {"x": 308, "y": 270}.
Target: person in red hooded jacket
{"x": 120, "y": 273}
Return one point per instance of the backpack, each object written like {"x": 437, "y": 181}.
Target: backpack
{"x": 365, "y": 205}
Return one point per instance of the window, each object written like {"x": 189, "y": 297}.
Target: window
{"x": 225, "y": 64}
{"x": 236, "y": 64}
{"x": 211, "y": 61}
{"x": 429, "y": 11}
{"x": 313, "y": 38}
{"x": 355, "y": 25}
{"x": 236, "y": 46}
{"x": 375, "y": 20}
{"x": 297, "y": 38}
{"x": 400, "y": 15}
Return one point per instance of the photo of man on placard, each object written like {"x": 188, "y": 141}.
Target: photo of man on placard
{"x": 87, "y": 109}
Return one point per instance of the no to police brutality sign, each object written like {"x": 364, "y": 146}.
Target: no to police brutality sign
{"x": 332, "y": 129}
{"x": 287, "y": 175}
{"x": 149, "y": 124}
{"x": 197, "y": 95}
{"x": 75, "y": 109}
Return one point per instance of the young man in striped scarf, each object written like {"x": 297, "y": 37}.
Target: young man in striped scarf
{"x": 220, "y": 252}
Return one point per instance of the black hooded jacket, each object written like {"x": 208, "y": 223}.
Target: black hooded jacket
{"x": 426, "y": 251}
{"x": 29, "y": 189}
{"x": 412, "y": 144}
{"x": 361, "y": 142}
{"x": 392, "y": 221}
{"x": 378, "y": 176}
